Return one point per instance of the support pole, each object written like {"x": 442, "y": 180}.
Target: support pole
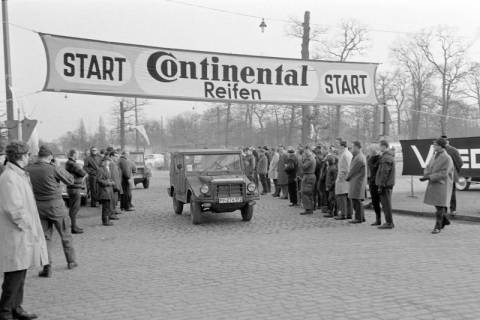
{"x": 7, "y": 66}
{"x": 306, "y": 110}
{"x": 136, "y": 124}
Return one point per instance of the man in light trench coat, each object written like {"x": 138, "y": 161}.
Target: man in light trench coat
{"x": 22, "y": 242}
{"x": 344, "y": 204}
{"x": 440, "y": 174}
{"x": 357, "y": 179}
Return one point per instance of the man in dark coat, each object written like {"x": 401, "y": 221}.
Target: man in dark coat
{"x": 262, "y": 169}
{"x": 291, "y": 168}
{"x": 249, "y": 162}
{"x": 105, "y": 191}
{"x": 127, "y": 169}
{"x": 92, "y": 162}
{"x": 385, "y": 180}
{"x": 282, "y": 174}
{"x": 46, "y": 178}
{"x": 308, "y": 181}
{"x": 330, "y": 179}
{"x": 117, "y": 178}
{"x": 373, "y": 161}
{"x": 357, "y": 179}
{"x": 74, "y": 196}
{"x": 457, "y": 165}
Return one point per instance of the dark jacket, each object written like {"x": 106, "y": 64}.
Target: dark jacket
{"x": 282, "y": 174}
{"x": 77, "y": 172}
{"x": 46, "y": 178}
{"x": 308, "y": 164}
{"x": 291, "y": 167}
{"x": 385, "y": 177}
{"x": 331, "y": 176}
{"x": 373, "y": 162}
{"x": 105, "y": 184}
{"x": 127, "y": 167}
{"x": 249, "y": 162}
{"x": 116, "y": 177}
{"x": 457, "y": 160}
{"x": 262, "y": 167}
{"x": 91, "y": 165}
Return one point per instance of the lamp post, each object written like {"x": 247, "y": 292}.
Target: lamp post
{"x": 7, "y": 66}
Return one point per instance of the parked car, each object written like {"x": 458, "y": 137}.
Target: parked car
{"x": 61, "y": 160}
{"x": 464, "y": 183}
{"x": 211, "y": 181}
{"x": 143, "y": 172}
{"x": 156, "y": 161}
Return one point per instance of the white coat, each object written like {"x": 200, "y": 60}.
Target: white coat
{"x": 22, "y": 241}
{"x": 273, "y": 170}
{"x": 341, "y": 184}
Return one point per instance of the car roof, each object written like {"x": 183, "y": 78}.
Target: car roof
{"x": 207, "y": 151}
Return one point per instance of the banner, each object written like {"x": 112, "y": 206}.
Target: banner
{"x": 143, "y": 132}
{"x": 418, "y": 153}
{"x": 98, "y": 67}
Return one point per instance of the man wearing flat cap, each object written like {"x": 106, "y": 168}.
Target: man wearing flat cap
{"x": 457, "y": 165}
{"x": 46, "y": 178}
{"x": 439, "y": 174}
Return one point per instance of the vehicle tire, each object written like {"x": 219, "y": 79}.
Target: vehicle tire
{"x": 146, "y": 183}
{"x": 463, "y": 184}
{"x": 247, "y": 212}
{"x": 195, "y": 212}
{"x": 177, "y": 206}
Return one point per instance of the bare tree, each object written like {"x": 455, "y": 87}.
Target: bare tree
{"x": 472, "y": 84}
{"x": 410, "y": 59}
{"x": 444, "y": 50}
{"x": 352, "y": 39}
{"x": 399, "y": 87}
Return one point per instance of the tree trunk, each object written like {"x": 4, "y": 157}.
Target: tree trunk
{"x": 291, "y": 125}
{"x": 227, "y": 124}
{"x": 122, "y": 125}
{"x": 338, "y": 120}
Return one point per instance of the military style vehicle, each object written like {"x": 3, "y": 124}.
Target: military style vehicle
{"x": 143, "y": 172}
{"x": 211, "y": 181}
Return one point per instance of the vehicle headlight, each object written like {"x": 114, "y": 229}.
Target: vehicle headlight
{"x": 251, "y": 187}
{"x": 204, "y": 189}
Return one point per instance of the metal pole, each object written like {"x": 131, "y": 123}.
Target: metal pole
{"x": 122, "y": 126}
{"x": 6, "y": 60}
{"x": 136, "y": 124}
{"x": 306, "y": 110}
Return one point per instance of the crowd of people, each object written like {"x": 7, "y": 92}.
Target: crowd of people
{"x": 337, "y": 178}
{"x": 330, "y": 178}
{"x": 32, "y": 206}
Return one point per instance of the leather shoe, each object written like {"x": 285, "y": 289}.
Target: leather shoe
{"x": 6, "y": 316}
{"x": 435, "y": 231}
{"x": 355, "y": 221}
{"x": 340, "y": 218}
{"x": 328, "y": 215}
{"x": 77, "y": 230}
{"x": 386, "y": 226}
{"x": 72, "y": 265}
{"x": 46, "y": 272}
{"x": 108, "y": 224}
{"x": 306, "y": 212}
{"x": 130, "y": 209}
{"x": 376, "y": 224}
{"x": 21, "y": 314}
{"x": 114, "y": 217}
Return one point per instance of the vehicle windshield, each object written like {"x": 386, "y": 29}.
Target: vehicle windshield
{"x": 137, "y": 158}
{"x": 212, "y": 162}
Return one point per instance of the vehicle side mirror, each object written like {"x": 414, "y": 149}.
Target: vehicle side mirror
{"x": 179, "y": 166}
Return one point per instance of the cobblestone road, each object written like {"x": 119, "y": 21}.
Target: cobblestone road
{"x": 155, "y": 265}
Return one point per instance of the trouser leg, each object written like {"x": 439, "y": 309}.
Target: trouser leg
{"x": 92, "y": 183}
{"x": 74, "y": 199}
{"x": 342, "y": 204}
{"x": 106, "y": 211}
{"x": 453, "y": 200}
{"x": 47, "y": 226}
{"x": 308, "y": 188}
{"x": 277, "y": 187}
{"x": 284, "y": 190}
{"x": 349, "y": 207}
{"x": 292, "y": 191}
{"x": 376, "y": 202}
{"x": 358, "y": 207}
{"x": 332, "y": 203}
{"x": 12, "y": 291}
{"x": 386, "y": 200}
{"x": 63, "y": 227}
{"x": 269, "y": 184}
{"x": 440, "y": 214}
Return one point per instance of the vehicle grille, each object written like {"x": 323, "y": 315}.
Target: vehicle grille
{"x": 140, "y": 170}
{"x": 229, "y": 190}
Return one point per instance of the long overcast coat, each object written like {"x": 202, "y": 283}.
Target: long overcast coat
{"x": 357, "y": 177}
{"x": 344, "y": 160}
{"x": 26, "y": 248}
{"x": 273, "y": 170}
{"x": 282, "y": 174}
{"x": 440, "y": 171}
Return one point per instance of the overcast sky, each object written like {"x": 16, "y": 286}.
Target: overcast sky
{"x": 170, "y": 24}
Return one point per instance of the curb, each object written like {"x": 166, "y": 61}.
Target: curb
{"x": 457, "y": 217}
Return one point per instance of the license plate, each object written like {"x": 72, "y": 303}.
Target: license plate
{"x": 230, "y": 200}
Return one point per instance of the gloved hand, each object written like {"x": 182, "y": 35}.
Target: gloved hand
{"x": 424, "y": 178}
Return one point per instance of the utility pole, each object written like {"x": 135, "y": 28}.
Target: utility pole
{"x": 136, "y": 124}
{"x": 227, "y": 124}
{"x": 306, "y": 56}
{"x": 122, "y": 125}
{"x": 8, "y": 69}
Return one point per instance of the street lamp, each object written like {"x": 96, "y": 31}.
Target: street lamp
{"x": 263, "y": 25}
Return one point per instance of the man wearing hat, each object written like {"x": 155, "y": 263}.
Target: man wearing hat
{"x": 309, "y": 164}
{"x": 439, "y": 173}
{"x": 291, "y": 168}
{"x": 357, "y": 180}
{"x": 22, "y": 242}
{"x": 74, "y": 196}
{"x": 344, "y": 204}
{"x": 46, "y": 178}
{"x": 457, "y": 165}
{"x": 92, "y": 162}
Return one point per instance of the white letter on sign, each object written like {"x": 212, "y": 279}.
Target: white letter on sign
{"x": 473, "y": 158}
{"x": 423, "y": 163}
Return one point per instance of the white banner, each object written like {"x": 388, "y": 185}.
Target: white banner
{"x": 98, "y": 67}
